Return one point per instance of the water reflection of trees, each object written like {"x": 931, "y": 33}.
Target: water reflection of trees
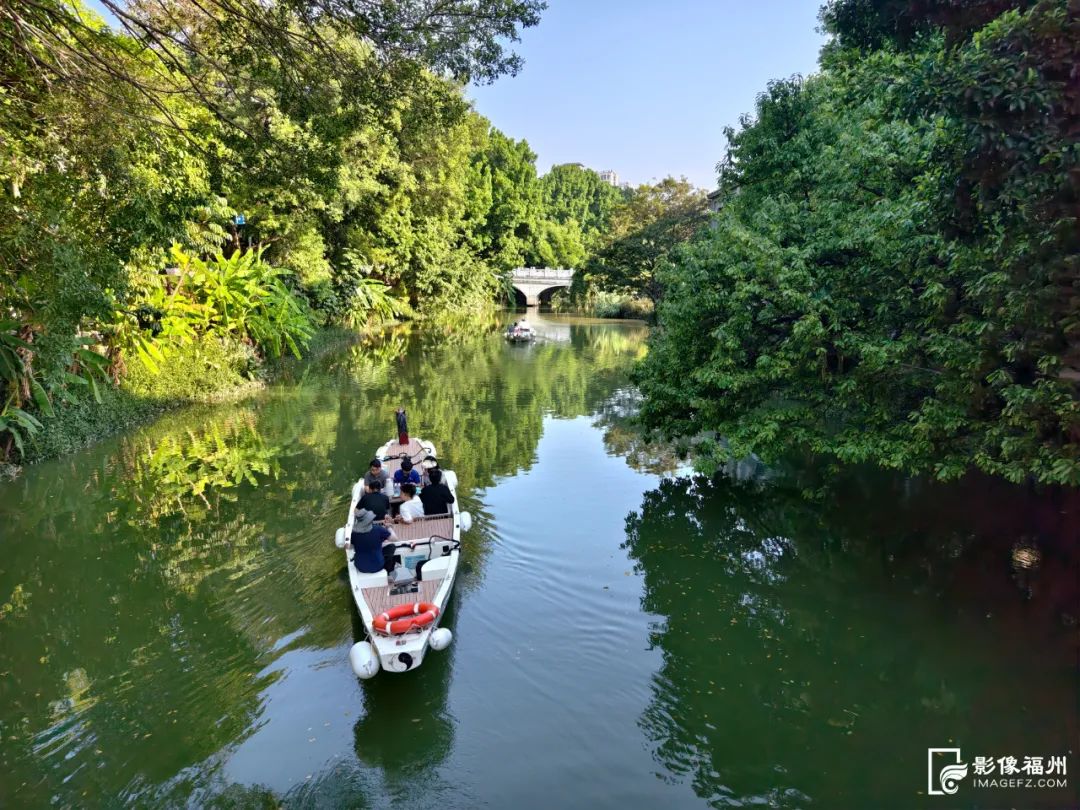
{"x": 147, "y": 580}
{"x": 137, "y": 644}
{"x": 804, "y": 639}
{"x": 481, "y": 401}
{"x": 114, "y": 664}
{"x": 183, "y": 471}
{"x": 622, "y": 437}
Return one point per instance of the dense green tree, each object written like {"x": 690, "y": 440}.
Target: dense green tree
{"x": 299, "y": 41}
{"x": 644, "y": 229}
{"x": 88, "y": 192}
{"x": 557, "y": 244}
{"x": 342, "y": 139}
{"x": 893, "y": 276}
{"x": 574, "y": 194}
{"x": 510, "y": 228}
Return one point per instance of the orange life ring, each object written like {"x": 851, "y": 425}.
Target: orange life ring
{"x": 418, "y": 614}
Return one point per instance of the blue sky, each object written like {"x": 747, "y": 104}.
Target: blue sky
{"x": 646, "y": 87}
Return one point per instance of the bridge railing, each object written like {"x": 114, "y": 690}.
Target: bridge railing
{"x": 545, "y": 273}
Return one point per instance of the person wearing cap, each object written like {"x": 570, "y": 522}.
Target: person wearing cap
{"x": 376, "y": 474}
{"x": 406, "y": 475}
{"x": 368, "y": 541}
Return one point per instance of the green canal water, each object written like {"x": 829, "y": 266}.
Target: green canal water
{"x": 175, "y": 620}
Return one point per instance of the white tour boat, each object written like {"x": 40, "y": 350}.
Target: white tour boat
{"x": 401, "y": 611}
{"x": 520, "y": 332}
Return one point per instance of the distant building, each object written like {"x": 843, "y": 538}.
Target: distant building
{"x": 714, "y": 201}
{"x": 609, "y": 176}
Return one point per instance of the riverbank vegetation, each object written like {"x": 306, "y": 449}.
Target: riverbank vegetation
{"x": 646, "y": 224}
{"x": 893, "y": 274}
{"x": 602, "y": 304}
{"x": 192, "y": 191}
{"x": 653, "y": 220}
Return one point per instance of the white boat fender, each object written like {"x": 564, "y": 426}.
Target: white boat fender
{"x": 364, "y": 661}
{"x": 339, "y": 537}
{"x": 441, "y": 638}
{"x": 466, "y": 521}
{"x": 449, "y": 477}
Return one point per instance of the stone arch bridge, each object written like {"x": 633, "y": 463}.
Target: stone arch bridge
{"x": 536, "y": 283}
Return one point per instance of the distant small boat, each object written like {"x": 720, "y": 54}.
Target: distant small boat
{"x": 520, "y": 332}
{"x": 401, "y": 611}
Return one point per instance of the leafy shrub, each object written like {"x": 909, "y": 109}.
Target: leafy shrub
{"x": 892, "y": 276}
{"x": 26, "y": 386}
{"x": 208, "y": 365}
{"x": 246, "y": 297}
{"x": 614, "y": 305}
{"x": 83, "y": 420}
{"x": 603, "y": 304}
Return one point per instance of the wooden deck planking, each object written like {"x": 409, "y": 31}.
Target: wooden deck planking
{"x": 380, "y": 599}
{"x": 413, "y": 448}
{"x": 423, "y": 529}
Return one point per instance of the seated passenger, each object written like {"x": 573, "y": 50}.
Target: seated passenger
{"x": 411, "y": 506}
{"x": 367, "y": 541}
{"x": 406, "y": 474}
{"x": 375, "y": 500}
{"x": 436, "y": 496}
{"x": 376, "y": 474}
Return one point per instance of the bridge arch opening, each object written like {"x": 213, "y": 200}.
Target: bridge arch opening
{"x": 541, "y": 298}
{"x": 545, "y": 295}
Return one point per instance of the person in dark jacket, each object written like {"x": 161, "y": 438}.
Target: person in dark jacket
{"x": 436, "y": 496}
{"x": 369, "y": 552}
{"x": 375, "y": 500}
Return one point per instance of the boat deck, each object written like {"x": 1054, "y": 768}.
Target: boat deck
{"x": 414, "y": 449}
{"x": 380, "y": 599}
{"x": 425, "y": 527}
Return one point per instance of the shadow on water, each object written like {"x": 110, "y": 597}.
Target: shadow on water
{"x": 814, "y": 648}
{"x": 406, "y": 729}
